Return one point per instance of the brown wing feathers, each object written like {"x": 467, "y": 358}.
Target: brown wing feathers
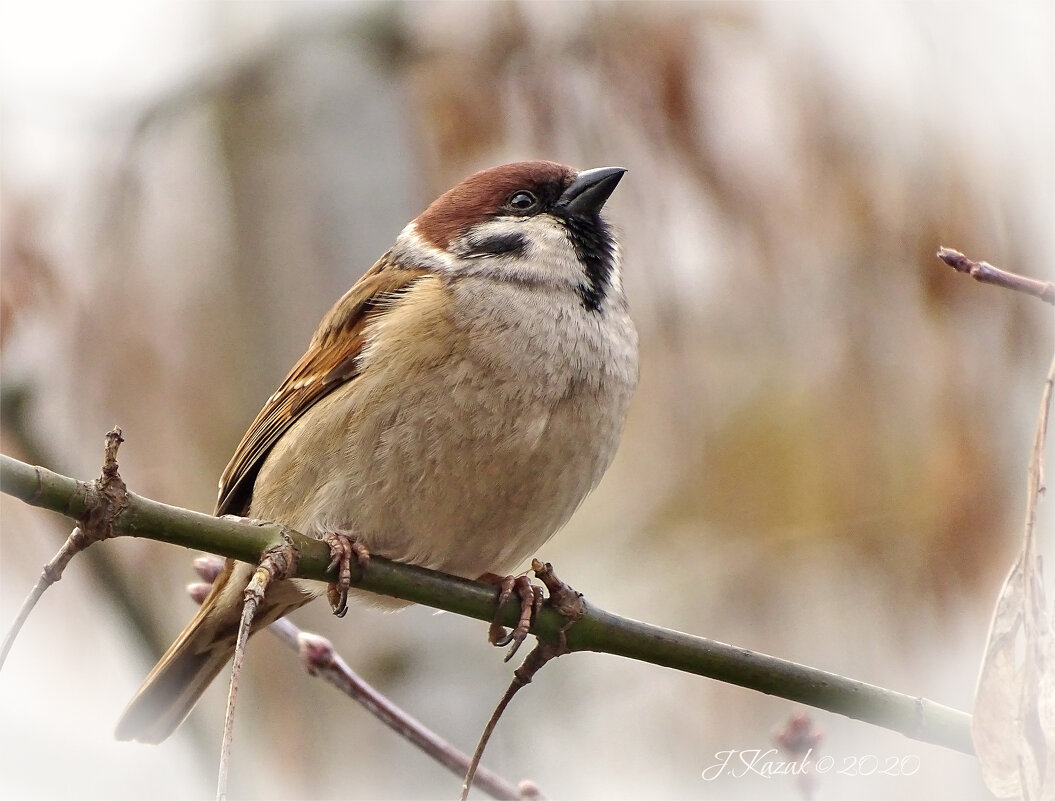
{"x": 332, "y": 359}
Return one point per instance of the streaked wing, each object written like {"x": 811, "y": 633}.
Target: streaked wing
{"x": 331, "y": 360}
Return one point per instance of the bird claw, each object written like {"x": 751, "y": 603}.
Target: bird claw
{"x": 342, "y": 547}
{"x": 530, "y": 601}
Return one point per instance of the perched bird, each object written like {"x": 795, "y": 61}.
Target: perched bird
{"x": 452, "y": 411}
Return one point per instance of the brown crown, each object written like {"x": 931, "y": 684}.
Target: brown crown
{"x": 483, "y": 194}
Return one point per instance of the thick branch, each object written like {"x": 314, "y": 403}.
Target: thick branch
{"x": 598, "y": 630}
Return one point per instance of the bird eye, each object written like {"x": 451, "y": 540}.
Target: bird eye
{"x": 522, "y": 201}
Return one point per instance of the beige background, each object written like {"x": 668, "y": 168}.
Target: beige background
{"x": 825, "y": 459}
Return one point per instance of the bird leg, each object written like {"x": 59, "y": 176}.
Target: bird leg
{"x": 342, "y": 547}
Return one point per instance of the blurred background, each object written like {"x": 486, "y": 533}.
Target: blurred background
{"x": 825, "y": 459}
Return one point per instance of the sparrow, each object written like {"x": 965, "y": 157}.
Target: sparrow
{"x": 452, "y": 410}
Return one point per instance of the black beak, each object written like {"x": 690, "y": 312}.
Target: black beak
{"x": 590, "y": 189}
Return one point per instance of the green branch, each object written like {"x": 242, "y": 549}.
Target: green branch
{"x": 598, "y": 631}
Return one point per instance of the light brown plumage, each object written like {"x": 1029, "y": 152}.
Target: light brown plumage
{"x": 331, "y": 359}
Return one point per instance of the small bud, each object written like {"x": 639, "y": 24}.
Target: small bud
{"x": 208, "y": 566}
{"x": 316, "y": 652}
{"x": 529, "y": 791}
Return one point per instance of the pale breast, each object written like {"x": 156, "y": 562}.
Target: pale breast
{"x": 463, "y": 445}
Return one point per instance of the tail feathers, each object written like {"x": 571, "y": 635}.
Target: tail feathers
{"x": 206, "y": 645}
{"x": 173, "y": 687}
{"x": 171, "y": 691}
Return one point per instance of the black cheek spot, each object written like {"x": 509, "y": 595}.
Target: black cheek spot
{"x": 510, "y": 244}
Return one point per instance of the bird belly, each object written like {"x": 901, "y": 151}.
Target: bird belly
{"x": 449, "y": 451}
{"x": 443, "y": 461}
{"x": 471, "y": 486}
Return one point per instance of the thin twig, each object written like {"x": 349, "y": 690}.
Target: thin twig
{"x": 106, "y": 499}
{"x": 569, "y": 604}
{"x": 1011, "y": 725}
{"x": 51, "y": 573}
{"x": 278, "y": 562}
{"x": 542, "y": 653}
{"x": 1008, "y": 726}
{"x": 320, "y": 658}
{"x": 1036, "y": 486}
{"x": 248, "y": 612}
{"x": 986, "y": 273}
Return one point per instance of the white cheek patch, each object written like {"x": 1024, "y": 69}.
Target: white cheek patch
{"x": 542, "y": 255}
{"x": 411, "y": 248}
{"x": 529, "y": 250}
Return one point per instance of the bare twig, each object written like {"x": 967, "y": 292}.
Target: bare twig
{"x": 105, "y": 498}
{"x": 986, "y": 273}
{"x": 51, "y": 573}
{"x": 277, "y": 563}
{"x": 569, "y": 604}
{"x": 542, "y": 653}
{"x": 320, "y": 658}
{"x": 598, "y": 631}
{"x": 1013, "y": 725}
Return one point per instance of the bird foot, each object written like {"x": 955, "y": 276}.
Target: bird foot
{"x": 342, "y": 547}
{"x": 530, "y": 600}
